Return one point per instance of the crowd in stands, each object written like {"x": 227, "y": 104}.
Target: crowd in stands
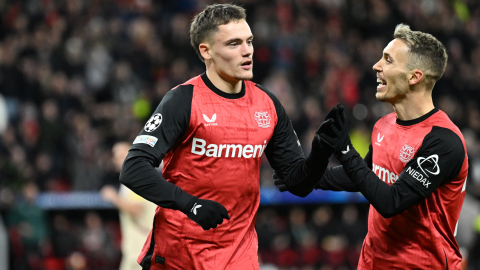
{"x": 78, "y": 76}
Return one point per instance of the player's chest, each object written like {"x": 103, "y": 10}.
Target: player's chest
{"x": 393, "y": 148}
{"x": 233, "y": 121}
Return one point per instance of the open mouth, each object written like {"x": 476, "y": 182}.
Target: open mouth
{"x": 381, "y": 83}
{"x": 247, "y": 64}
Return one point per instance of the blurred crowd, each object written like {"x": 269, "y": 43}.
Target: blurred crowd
{"x": 77, "y": 76}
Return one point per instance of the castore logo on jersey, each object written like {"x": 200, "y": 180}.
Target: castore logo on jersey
{"x": 214, "y": 117}
{"x": 210, "y": 121}
{"x": 379, "y": 139}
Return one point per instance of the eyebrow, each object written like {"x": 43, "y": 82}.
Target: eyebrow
{"x": 237, "y": 39}
{"x": 388, "y": 55}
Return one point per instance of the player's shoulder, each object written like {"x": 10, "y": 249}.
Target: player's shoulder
{"x": 184, "y": 90}
{"x": 261, "y": 89}
{"x": 443, "y": 129}
{"x": 195, "y": 81}
{"x": 444, "y": 132}
{"x": 388, "y": 119}
{"x": 441, "y": 119}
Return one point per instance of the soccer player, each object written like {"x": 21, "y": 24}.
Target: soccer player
{"x": 211, "y": 133}
{"x": 415, "y": 173}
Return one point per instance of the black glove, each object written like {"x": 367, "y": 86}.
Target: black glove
{"x": 319, "y": 155}
{"x": 320, "y": 149}
{"x": 279, "y": 183}
{"x": 206, "y": 213}
{"x": 337, "y": 133}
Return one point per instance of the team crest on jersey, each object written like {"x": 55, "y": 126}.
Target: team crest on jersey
{"x": 407, "y": 152}
{"x": 263, "y": 119}
{"x": 153, "y": 123}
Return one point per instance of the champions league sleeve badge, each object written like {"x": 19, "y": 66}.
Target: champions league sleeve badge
{"x": 153, "y": 123}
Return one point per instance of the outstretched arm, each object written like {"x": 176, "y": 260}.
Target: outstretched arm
{"x": 407, "y": 191}
{"x": 300, "y": 175}
{"x": 320, "y": 177}
{"x": 336, "y": 179}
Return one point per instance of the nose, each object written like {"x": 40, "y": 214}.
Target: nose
{"x": 247, "y": 49}
{"x": 377, "y": 67}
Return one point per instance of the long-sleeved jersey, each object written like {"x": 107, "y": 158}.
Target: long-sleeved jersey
{"x": 429, "y": 154}
{"x": 211, "y": 144}
{"x": 414, "y": 176}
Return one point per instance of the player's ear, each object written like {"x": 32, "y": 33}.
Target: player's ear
{"x": 415, "y": 76}
{"x": 205, "y": 50}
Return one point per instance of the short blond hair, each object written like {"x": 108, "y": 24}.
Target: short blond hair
{"x": 425, "y": 52}
{"x": 206, "y": 22}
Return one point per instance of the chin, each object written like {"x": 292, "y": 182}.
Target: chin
{"x": 244, "y": 77}
{"x": 381, "y": 98}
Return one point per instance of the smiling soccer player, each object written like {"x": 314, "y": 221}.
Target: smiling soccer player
{"x": 415, "y": 173}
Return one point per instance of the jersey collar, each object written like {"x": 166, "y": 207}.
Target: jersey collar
{"x": 219, "y": 92}
{"x": 417, "y": 120}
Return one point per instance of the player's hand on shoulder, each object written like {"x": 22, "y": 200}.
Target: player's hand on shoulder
{"x": 207, "y": 213}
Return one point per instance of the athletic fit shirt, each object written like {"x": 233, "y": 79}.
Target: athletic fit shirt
{"x": 212, "y": 144}
{"x": 429, "y": 154}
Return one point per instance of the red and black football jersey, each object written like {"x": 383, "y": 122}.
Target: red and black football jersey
{"x": 429, "y": 154}
{"x": 211, "y": 144}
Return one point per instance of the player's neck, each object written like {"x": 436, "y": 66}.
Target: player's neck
{"x": 414, "y": 106}
{"x": 227, "y": 86}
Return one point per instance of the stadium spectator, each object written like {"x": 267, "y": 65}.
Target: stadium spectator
{"x": 28, "y": 230}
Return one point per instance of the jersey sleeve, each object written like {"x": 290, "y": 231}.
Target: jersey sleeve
{"x": 439, "y": 159}
{"x": 369, "y": 157}
{"x": 167, "y": 125}
{"x": 336, "y": 179}
{"x": 284, "y": 150}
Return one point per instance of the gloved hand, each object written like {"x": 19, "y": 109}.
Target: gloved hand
{"x": 319, "y": 154}
{"x": 279, "y": 183}
{"x": 337, "y": 133}
{"x": 319, "y": 148}
{"x": 206, "y": 213}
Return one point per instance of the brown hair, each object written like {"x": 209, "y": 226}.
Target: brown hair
{"x": 425, "y": 52}
{"x": 206, "y": 23}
